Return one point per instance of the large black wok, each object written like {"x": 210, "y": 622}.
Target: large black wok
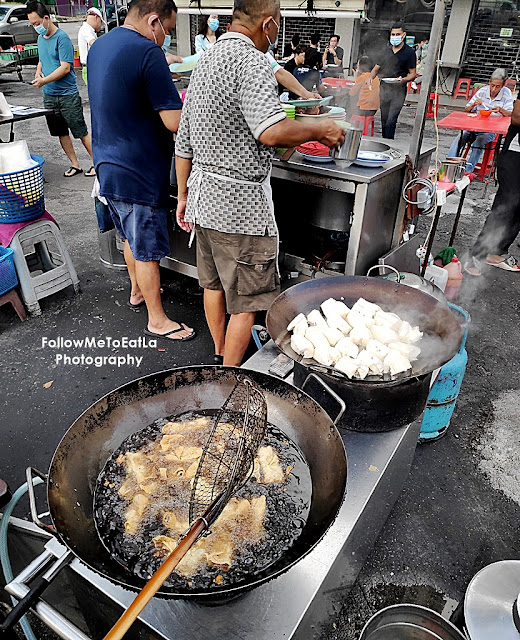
{"x": 373, "y": 404}
{"x": 96, "y": 434}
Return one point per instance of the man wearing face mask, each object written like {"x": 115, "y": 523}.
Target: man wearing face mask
{"x": 223, "y": 156}
{"x": 399, "y": 63}
{"x": 135, "y": 108}
{"x": 55, "y": 76}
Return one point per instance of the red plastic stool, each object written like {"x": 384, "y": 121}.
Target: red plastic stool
{"x": 460, "y": 91}
{"x": 410, "y": 89}
{"x": 434, "y": 100}
{"x": 366, "y": 122}
{"x": 14, "y": 299}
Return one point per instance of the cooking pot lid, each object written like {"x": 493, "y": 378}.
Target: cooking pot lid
{"x": 489, "y": 602}
{"x": 417, "y": 282}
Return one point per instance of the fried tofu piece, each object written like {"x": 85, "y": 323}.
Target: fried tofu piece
{"x": 135, "y": 512}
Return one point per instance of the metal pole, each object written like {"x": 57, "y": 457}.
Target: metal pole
{"x": 427, "y": 78}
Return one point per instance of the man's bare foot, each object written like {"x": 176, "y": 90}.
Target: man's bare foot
{"x": 494, "y": 259}
{"x": 137, "y": 298}
{"x": 171, "y": 330}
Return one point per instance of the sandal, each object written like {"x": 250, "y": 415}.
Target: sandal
{"x": 472, "y": 266}
{"x": 137, "y": 306}
{"x": 91, "y": 173}
{"x": 72, "y": 171}
{"x": 164, "y": 336}
{"x": 509, "y": 263}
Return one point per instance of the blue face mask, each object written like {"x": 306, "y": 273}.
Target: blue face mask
{"x": 167, "y": 42}
{"x": 395, "y": 41}
{"x": 213, "y": 24}
{"x": 40, "y": 29}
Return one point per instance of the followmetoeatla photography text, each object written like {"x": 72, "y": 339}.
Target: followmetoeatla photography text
{"x": 66, "y": 350}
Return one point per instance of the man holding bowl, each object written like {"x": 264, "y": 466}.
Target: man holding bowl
{"x": 493, "y": 99}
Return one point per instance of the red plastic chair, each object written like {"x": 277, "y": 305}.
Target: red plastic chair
{"x": 410, "y": 89}
{"x": 485, "y": 168}
{"x": 366, "y": 121}
{"x": 460, "y": 91}
{"x": 510, "y": 84}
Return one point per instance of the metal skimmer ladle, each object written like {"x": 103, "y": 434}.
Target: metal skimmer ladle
{"x": 225, "y": 465}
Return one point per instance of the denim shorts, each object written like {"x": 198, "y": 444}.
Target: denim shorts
{"x": 144, "y": 227}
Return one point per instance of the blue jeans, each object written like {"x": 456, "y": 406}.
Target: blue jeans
{"x": 477, "y": 148}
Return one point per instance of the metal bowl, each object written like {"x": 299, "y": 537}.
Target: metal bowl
{"x": 370, "y": 145}
{"x": 409, "y": 622}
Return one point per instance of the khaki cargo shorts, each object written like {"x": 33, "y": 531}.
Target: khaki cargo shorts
{"x": 244, "y": 267}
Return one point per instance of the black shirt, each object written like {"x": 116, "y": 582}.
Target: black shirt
{"x": 290, "y": 65}
{"x": 339, "y": 53}
{"x": 397, "y": 64}
{"x": 313, "y": 58}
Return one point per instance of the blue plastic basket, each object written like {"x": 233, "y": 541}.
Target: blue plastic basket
{"x": 8, "y": 279}
{"x": 21, "y": 194}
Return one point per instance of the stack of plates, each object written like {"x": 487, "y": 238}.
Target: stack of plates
{"x": 315, "y": 152}
{"x": 290, "y": 110}
{"x": 337, "y": 113}
{"x": 372, "y": 159}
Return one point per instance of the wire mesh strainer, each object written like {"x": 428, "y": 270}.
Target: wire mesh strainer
{"x": 229, "y": 453}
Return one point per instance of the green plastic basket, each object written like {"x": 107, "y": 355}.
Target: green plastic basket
{"x": 30, "y": 51}
{"x": 9, "y": 56}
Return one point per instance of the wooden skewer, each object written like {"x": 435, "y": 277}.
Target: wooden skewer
{"x": 154, "y": 584}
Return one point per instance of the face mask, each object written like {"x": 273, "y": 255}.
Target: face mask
{"x": 213, "y": 24}
{"x": 425, "y": 48}
{"x": 40, "y": 29}
{"x": 273, "y": 45}
{"x": 395, "y": 41}
{"x": 167, "y": 43}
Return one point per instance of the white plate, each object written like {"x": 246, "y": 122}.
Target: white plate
{"x": 373, "y": 156}
{"x": 318, "y": 159}
{"x": 390, "y": 80}
{"x": 371, "y": 163}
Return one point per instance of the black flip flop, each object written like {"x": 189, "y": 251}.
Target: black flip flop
{"x": 164, "y": 336}
{"x": 137, "y": 306}
{"x": 90, "y": 175}
{"x": 76, "y": 171}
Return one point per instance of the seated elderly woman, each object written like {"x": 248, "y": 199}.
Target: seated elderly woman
{"x": 494, "y": 97}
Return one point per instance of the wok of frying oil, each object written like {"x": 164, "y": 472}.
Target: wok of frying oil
{"x": 287, "y": 509}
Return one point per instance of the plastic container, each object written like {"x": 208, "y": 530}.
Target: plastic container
{"x": 21, "y": 194}
{"x": 8, "y": 278}
{"x": 437, "y": 275}
{"x": 454, "y": 269}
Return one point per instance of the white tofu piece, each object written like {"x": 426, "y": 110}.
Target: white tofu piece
{"x": 396, "y": 362}
{"x": 347, "y": 365}
{"x": 389, "y": 320}
{"x": 315, "y": 319}
{"x": 348, "y": 347}
{"x": 362, "y": 372}
{"x": 356, "y": 319}
{"x": 335, "y": 354}
{"x": 376, "y": 369}
{"x": 301, "y": 327}
{"x": 366, "y": 308}
{"x": 404, "y": 332}
{"x": 415, "y": 334}
{"x": 409, "y": 350}
{"x": 360, "y": 334}
{"x": 302, "y": 346}
{"x": 292, "y": 325}
{"x": 342, "y": 308}
{"x": 365, "y": 358}
{"x": 384, "y": 334}
{"x": 329, "y": 308}
{"x": 324, "y": 356}
{"x": 315, "y": 335}
{"x": 377, "y": 349}
{"x": 337, "y": 322}
{"x": 332, "y": 335}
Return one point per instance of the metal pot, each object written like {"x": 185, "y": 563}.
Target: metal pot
{"x": 451, "y": 170}
{"x": 373, "y": 404}
{"x": 371, "y": 145}
{"x": 409, "y": 622}
{"x": 412, "y": 280}
{"x": 348, "y": 151}
{"x": 99, "y": 431}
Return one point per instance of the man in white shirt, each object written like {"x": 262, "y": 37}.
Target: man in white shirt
{"x": 494, "y": 97}
{"x": 87, "y": 35}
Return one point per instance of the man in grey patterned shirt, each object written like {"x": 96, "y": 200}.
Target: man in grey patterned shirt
{"x": 230, "y": 121}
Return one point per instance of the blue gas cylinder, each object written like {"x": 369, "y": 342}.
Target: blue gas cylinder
{"x": 445, "y": 391}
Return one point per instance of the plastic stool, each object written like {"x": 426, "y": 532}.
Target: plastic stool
{"x": 510, "y": 83}
{"x": 433, "y": 104}
{"x": 460, "y": 91}
{"x": 14, "y": 299}
{"x": 32, "y": 253}
{"x": 410, "y": 89}
{"x": 366, "y": 122}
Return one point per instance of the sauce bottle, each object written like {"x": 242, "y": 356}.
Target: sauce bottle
{"x": 455, "y": 276}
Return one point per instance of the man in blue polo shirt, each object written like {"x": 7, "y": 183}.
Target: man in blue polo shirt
{"x": 55, "y": 76}
{"x": 135, "y": 108}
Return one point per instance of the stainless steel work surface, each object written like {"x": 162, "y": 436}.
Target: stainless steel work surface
{"x": 342, "y": 171}
{"x": 296, "y": 603}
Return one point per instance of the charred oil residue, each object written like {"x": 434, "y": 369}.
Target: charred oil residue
{"x": 287, "y": 508}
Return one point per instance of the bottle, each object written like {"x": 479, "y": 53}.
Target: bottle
{"x": 455, "y": 276}
{"x": 437, "y": 275}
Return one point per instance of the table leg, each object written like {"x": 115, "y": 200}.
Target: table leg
{"x": 457, "y": 216}
{"x": 11, "y": 133}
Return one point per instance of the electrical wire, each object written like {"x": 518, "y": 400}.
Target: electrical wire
{"x": 4, "y": 551}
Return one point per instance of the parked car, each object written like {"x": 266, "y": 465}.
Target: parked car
{"x": 14, "y": 22}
